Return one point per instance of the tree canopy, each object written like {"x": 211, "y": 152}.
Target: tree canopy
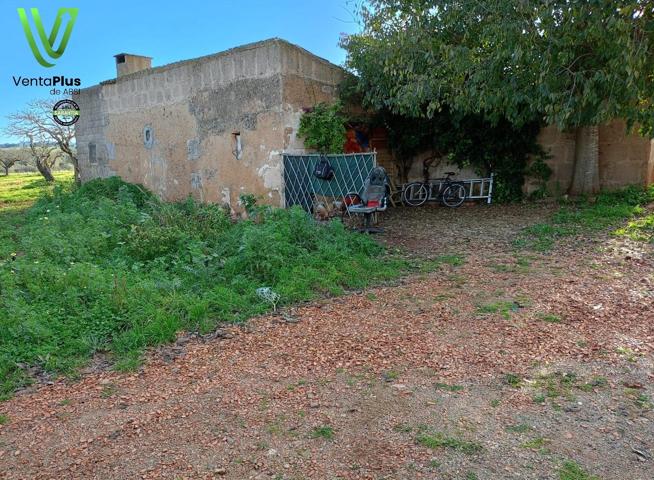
{"x": 568, "y": 62}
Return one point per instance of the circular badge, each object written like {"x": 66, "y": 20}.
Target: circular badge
{"x": 66, "y": 113}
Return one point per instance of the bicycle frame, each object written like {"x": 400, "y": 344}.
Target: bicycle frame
{"x": 437, "y": 186}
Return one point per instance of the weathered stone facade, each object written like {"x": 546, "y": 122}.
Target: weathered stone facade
{"x": 624, "y": 159}
{"x": 213, "y": 127}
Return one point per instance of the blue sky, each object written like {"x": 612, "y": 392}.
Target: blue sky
{"x": 166, "y": 30}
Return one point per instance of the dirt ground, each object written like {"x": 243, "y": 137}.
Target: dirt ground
{"x": 510, "y": 365}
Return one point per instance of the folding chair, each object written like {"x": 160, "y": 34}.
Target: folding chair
{"x": 373, "y": 199}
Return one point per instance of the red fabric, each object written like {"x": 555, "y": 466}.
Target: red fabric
{"x": 352, "y": 199}
{"x": 373, "y": 203}
{"x": 351, "y": 144}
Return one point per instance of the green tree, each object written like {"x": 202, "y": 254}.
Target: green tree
{"x": 573, "y": 63}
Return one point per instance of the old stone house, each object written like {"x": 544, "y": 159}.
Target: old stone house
{"x": 212, "y": 127}
{"x": 215, "y": 127}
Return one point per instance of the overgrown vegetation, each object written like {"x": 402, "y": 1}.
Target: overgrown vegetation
{"x": 108, "y": 268}
{"x": 511, "y": 153}
{"x": 323, "y": 128}
{"x": 641, "y": 229}
{"x": 606, "y": 210}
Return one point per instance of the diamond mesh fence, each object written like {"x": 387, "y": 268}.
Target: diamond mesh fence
{"x": 303, "y": 188}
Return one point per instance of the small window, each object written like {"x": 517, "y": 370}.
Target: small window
{"x": 93, "y": 155}
{"x": 238, "y": 145}
{"x": 120, "y": 58}
{"x": 148, "y": 137}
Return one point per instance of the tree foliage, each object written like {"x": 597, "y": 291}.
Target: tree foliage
{"x": 323, "y": 128}
{"x": 509, "y": 152}
{"x": 570, "y": 62}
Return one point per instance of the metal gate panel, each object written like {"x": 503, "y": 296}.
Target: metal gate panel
{"x": 303, "y": 188}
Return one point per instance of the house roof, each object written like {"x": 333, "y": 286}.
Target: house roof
{"x": 231, "y": 51}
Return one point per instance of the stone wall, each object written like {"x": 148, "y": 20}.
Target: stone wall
{"x": 307, "y": 81}
{"x": 624, "y": 159}
{"x": 176, "y": 128}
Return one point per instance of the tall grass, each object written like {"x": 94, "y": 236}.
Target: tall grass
{"x": 108, "y": 268}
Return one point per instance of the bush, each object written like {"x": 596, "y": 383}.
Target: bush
{"x": 109, "y": 268}
{"x": 323, "y": 128}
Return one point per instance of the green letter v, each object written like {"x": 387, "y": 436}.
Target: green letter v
{"x": 48, "y": 42}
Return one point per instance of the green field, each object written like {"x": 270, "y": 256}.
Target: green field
{"x": 20, "y": 190}
{"x": 109, "y": 268}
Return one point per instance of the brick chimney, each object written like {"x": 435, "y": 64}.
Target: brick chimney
{"x": 127, "y": 63}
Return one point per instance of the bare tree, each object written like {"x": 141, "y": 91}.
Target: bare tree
{"x": 36, "y": 124}
{"x": 44, "y": 155}
{"x": 8, "y": 158}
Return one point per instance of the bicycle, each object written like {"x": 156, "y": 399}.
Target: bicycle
{"x": 450, "y": 193}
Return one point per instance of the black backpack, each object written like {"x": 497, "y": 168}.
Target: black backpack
{"x": 324, "y": 170}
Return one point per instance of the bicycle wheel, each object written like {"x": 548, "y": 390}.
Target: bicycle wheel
{"x": 454, "y": 195}
{"x": 415, "y": 194}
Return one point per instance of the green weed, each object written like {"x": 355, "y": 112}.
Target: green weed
{"x": 641, "y": 229}
{"x": 504, "y": 308}
{"x": 390, "y": 376}
{"x": 439, "y": 440}
{"x": 536, "y": 444}
{"x": 513, "y": 380}
{"x": 549, "y": 318}
{"x": 596, "y": 382}
{"x": 110, "y": 268}
{"x": 449, "y": 388}
{"x": 454, "y": 260}
{"x": 640, "y": 399}
{"x": 555, "y": 385}
{"x": 434, "y": 464}
{"x": 608, "y": 210}
{"x": 434, "y": 264}
{"x": 323, "y": 432}
{"x": 539, "y": 398}
{"x": 519, "y": 428}
{"x": 402, "y": 428}
{"x": 572, "y": 471}
{"x": 629, "y": 354}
